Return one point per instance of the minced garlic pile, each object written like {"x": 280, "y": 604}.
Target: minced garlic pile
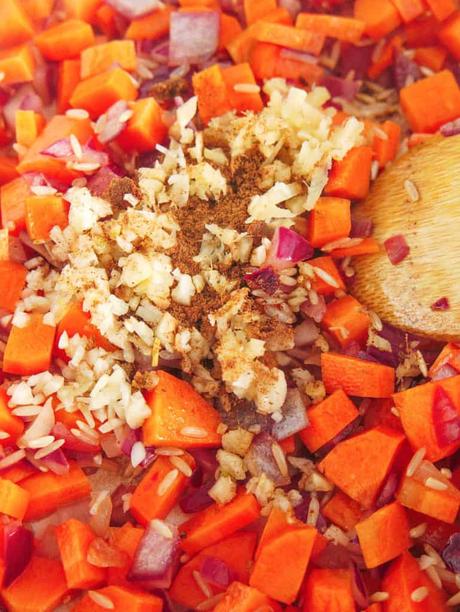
{"x": 119, "y": 260}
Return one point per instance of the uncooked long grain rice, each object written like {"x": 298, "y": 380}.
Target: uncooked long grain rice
{"x": 4, "y": 435}
{"x": 434, "y": 553}
{"x": 47, "y": 450}
{"x": 211, "y": 603}
{"x": 100, "y": 498}
{"x": 432, "y": 572}
{"x": 169, "y": 451}
{"x": 280, "y": 459}
{"x": 193, "y": 432}
{"x": 138, "y": 453}
{"x": 181, "y": 465}
{"x": 101, "y": 600}
{"x": 379, "y": 596}
{"x": 167, "y": 482}
{"x": 77, "y": 113}
{"x": 415, "y": 461}
{"x": 40, "y": 442}
{"x": 418, "y": 530}
{"x": 248, "y": 88}
{"x": 326, "y": 277}
{"x": 12, "y": 459}
{"x": 201, "y": 583}
{"x": 313, "y": 512}
{"x": 162, "y": 529}
{"x": 434, "y": 483}
{"x": 419, "y": 594}
{"x": 411, "y": 190}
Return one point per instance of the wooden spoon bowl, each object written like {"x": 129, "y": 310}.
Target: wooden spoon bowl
{"x": 403, "y": 294}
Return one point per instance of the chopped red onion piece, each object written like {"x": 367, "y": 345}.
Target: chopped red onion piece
{"x": 451, "y": 553}
{"x": 445, "y": 371}
{"x": 261, "y": 460}
{"x": 405, "y": 71}
{"x": 287, "y": 248}
{"x": 109, "y": 125}
{"x": 197, "y": 499}
{"x": 263, "y": 279}
{"x": 299, "y": 56}
{"x": 193, "y": 36}
{"x": 306, "y": 333}
{"x": 71, "y": 442}
{"x": 294, "y": 416}
{"x": 388, "y": 490}
{"x": 216, "y": 573}
{"x": 314, "y": 311}
{"x": 91, "y": 155}
{"x": 342, "y": 435}
{"x": 32, "y": 101}
{"x": 156, "y": 556}
{"x": 356, "y": 60}
{"x": 335, "y": 556}
{"x": 205, "y": 460}
{"x": 56, "y": 462}
{"x": 397, "y": 249}
{"x": 359, "y": 588}
{"x": 16, "y": 550}
{"x": 441, "y": 304}
{"x": 59, "y": 149}
{"x": 341, "y": 88}
{"x": 131, "y": 9}
{"x": 130, "y": 437}
{"x": 452, "y": 128}
{"x": 361, "y": 228}
{"x": 446, "y": 419}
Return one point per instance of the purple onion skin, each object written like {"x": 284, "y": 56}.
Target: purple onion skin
{"x": 340, "y": 437}
{"x": 196, "y": 499}
{"x": 388, "y": 490}
{"x": 451, "y": 553}
{"x": 17, "y": 550}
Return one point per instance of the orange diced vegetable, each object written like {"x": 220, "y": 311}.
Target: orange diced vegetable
{"x": 9, "y": 423}
{"x": 180, "y": 416}
{"x": 241, "y": 74}
{"x": 350, "y": 177}
{"x": 321, "y": 284}
{"x": 74, "y": 538}
{"x": 126, "y": 539}
{"x": 81, "y": 9}
{"x": 13, "y": 499}
{"x": 152, "y": 498}
{"x": 367, "y": 246}
{"x": 17, "y": 64}
{"x": 77, "y": 321}
{"x": 97, "y": 93}
{"x": 442, "y": 9}
{"x": 209, "y": 85}
{"x": 43, "y": 213}
{"x": 449, "y": 35}
{"x": 347, "y": 29}
{"x": 346, "y": 321}
{"x": 384, "y": 535}
{"x": 433, "y": 57}
{"x": 49, "y": 491}
{"x": 254, "y": 10}
{"x": 379, "y": 22}
{"x": 431, "y": 102}
{"x": 290, "y": 37}
{"x": 327, "y": 419}
{"x": 100, "y": 58}
{"x": 13, "y": 205}
{"x": 12, "y": 281}
{"x": 329, "y": 589}
{"x": 229, "y": 29}
{"x": 450, "y": 355}
{"x": 342, "y": 510}
{"x": 29, "y": 348}
{"x": 347, "y": 464}
{"x": 329, "y": 221}
{"x": 106, "y": 20}
{"x": 68, "y": 78}
{"x": 385, "y": 149}
{"x": 145, "y": 128}
{"x": 409, "y": 9}
{"x": 122, "y": 598}
{"x": 356, "y": 376}
{"x": 422, "y": 31}
{"x": 28, "y": 125}
{"x": 267, "y": 61}
{"x": 150, "y": 27}
{"x": 65, "y": 40}
{"x": 15, "y": 27}
{"x": 218, "y": 522}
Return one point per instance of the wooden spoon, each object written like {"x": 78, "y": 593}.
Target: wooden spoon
{"x": 403, "y": 294}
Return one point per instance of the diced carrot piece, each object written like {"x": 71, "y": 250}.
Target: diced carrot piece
{"x": 350, "y": 178}
{"x": 409, "y": 9}
{"x": 379, "y": 22}
{"x": 277, "y": 523}
{"x": 327, "y": 419}
{"x": 65, "y": 40}
{"x": 60, "y": 126}
{"x": 49, "y": 491}
{"x": 40, "y": 587}
{"x": 367, "y": 246}
{"x": 150, "y": 27}
{"x": 149, "y": 500}
{"x": 279, "y": 15}
{"x": 13, "y": 499}
{"x": 13, "y": 205}
{"x": 17, "y": 64}
{"x": 449, "y": 35}
{"x": 329, "y": 221}
{"x": 329, "y": 589}
{"x": 267, "y": 61}
{"x": 442, "y": 9}
{"x": 422, "y": 32}
{"x": 9, "y": 423}
{"x": 347, "y": 464}
{"x": 379, "y": 412}
{"x": 356, "y": 376}
{"x": 29, "y": 348}
{"x": 347, "y": 29}
{"x": 236, "y": 552}
{"x": 100, "y": 58}
{"x": 450, "y": 355}
{"x": 81, "y": 9}
{"x": 282, "y": 581}
{"x": 429, "y": 492}
{"x": 433, "y": 57}
{"x": 342, "y": 510}
{"x": 28, "y": 126}
{"x": 402, "y": 578}
{"x": 385, "y": 149}
{"x": 18, "y": 472}
{"x": 288, "y": 445}
{"x": 68, "y": 78}
{"x": 99, "y": 92}
{"x": 38, "y": 10}
{"x": 384, "y": 535}
{"x": 12, "y": 281}
{"x": 346, "y": 321}
{"x": 145, "y": 129}
{"x": 229, "y": 29}
{"x": 126, "y": 539}
{"x": 43, "y": 213}
{"x": 321, "y": 283}
{"x": 217, "y": 522}
{"x": 15, "y": 27}
{"x": 415, "y": 407}
{"x": 431, "y": 102}
{"x": 254, "y": 10}
{"x": 8, "y": 171}
{"x": 210, "y": 87}
{"x": 290, "y": 37}
{"x": 74, "y": 538}
{"x": 240, "y": 46}
{"x": 244, "y": 599}
{"x": 77, "y": 321}
{"x": 122, "y": 598}
{"x": 180, "y": 416}
{"x": 106, "y": 20}
{"x": 241, "y": 74}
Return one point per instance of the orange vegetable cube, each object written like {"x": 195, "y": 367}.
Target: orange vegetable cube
{"x": 28, "y": 349}
{"x": 378, "y": 23}
{"x": 335, "y": 26}
{"x": 103, "y": 57}
{"x": 28, "y": 126}
{"x": 356, "y": 376}
{"x": 9, "y": 423}
{"x": 65, "y": 40}
{"x": 77, "y": 321}
{"x": 13, "y": 499}
{"x": 150, "y": 27}
{"x": 12, "y": 281}
{"x": 254, "y": 10}
{"x": 18, "y": 65}
{"x": 329, "y": 589}
{"x": 330, "y": 280}
{"x": 350, "y": 177}
{"x": 145, "y": 129}
{"x": 68, "y": 78}
{"x": 342, "y": 511}
{"x": 244, "y": 599}
{"x": 15, "y": 27}
{"x": 241, "y": 74}
{"x": 43, "y": 213}
{"x": 329, "y": 221}
{"x": 346, "y": 321}
{"x": 209, "y": 85}
{"x": 81, "y": 9}
{"x": 13, "y": 205}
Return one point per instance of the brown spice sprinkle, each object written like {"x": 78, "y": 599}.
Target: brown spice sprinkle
{"x": 119, "y": 188}
{"x": 165, "y": 91}
{"x": 145, "y": 380}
